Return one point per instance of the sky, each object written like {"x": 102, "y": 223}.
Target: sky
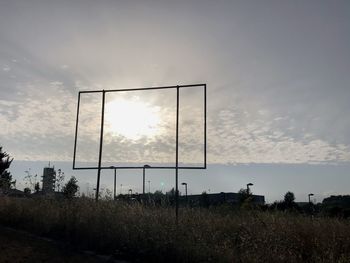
{"x": 277, "y": 75}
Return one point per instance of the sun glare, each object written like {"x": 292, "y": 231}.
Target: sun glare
{"x": 132, "y": 118}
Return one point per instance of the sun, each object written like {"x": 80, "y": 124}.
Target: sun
{"x": 132, "y": 118}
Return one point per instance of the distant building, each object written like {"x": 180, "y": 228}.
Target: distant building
{"x": 49, "y": 178}
{"x": 337, "y": 200}
{"x": 221, "y": 198}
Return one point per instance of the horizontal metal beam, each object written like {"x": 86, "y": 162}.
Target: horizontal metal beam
{"x": 140, "y": 89}
{"x": 139, "y": 167}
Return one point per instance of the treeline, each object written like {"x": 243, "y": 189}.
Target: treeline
{"x": 8, "y": 185}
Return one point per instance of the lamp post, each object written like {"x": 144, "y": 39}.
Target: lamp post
{"x": 309, "y": 195}
{"x": 185, "y": 184}
{"x": 143, "y": 177}
{"x": 149, "y": 186}
{"x": 250, "y": 184}
{"x": 115, "y": 182}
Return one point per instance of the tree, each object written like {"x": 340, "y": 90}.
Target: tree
{"x": 27, "y": 191}
{"x": 289, "y": 198}
{"x": 158, "y": 193}
{"x": 289, "y": 202}
{"x": 37, "y": 187}
{"x": 245, "y": 199}
{"x": 243, "y": 195}
{"x": 59, "y": 179}
{"x": 5, "y": 176}
{"x": 204, "y": 200}
{"x": 30, "y": 180}
{"x": 171, "y": 192}
{"x": 71, "y": 188}
{"x": 170, "y": 196}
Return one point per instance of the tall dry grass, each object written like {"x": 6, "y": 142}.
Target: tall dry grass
{"x": 141, "y": 233}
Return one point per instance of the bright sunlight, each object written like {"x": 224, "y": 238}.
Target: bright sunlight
{"x": 132, "y": 118}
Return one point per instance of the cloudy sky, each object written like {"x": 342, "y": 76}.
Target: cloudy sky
{"x": 277, "y": 75}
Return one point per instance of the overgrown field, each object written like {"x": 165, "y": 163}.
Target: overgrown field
{"x": 142, "y": 233}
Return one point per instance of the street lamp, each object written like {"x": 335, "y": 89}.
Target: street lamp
{"x": 250, "y": 184}
{"x": 115, "y": 181}
{"x": 309, "y": 195}
{"x": 143, "y": 178}
{"x": 185, "y": 184}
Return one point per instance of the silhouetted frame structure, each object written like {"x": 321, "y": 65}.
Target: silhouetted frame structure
{"x": 176, "y": 167}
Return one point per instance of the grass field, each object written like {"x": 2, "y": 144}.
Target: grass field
{"x": 149, "y": 234}
{"x": 21, "y": 247}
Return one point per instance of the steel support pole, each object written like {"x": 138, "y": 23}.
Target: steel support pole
{"x": 101, "y": 144}
{"x": 143, "y": 181}
{"x": 177, "y": 156}
{"x": 115, "y": 183}
{"x": 76, "y": 131}
{"x": 205, "y": 126}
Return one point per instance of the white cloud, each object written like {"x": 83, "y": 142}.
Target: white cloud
{"x": 6, "y": 68}
{"x": 232, "y": 140}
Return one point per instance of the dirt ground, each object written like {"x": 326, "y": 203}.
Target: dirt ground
{"x": 16, "y": 247}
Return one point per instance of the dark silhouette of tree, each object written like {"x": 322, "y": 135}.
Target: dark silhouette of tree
{"x": 243, "y": 195}
{"x": 37, "y": 187}
{"x": 158, "y": 197}
{"x": 27, "y": 191}
{"x": 170, "y": 196}
{"x": 158, "y": 193}
{"x": 171, "y": 192}
{"x": 288, "y": 203}
{"x": 5, "y": 177}
{"x": 245, "y": 199}
{"x": 204, "y": 200}
{"x": 71, "y": 188}
{"x": 289, "y": 199}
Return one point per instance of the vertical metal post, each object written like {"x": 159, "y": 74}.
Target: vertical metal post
{"x": 177, "y": 156}
{"x": 205, "y": 126}
{"x": 76, "y": 131}
{"x": 101, "y": 144}
{"x": 143, "y": 180}
{"x": 115, "y": 183}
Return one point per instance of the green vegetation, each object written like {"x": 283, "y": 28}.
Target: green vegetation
{"x": 6, "y": 182}
{"x": 149, "y": 233}
{"x": 71, "y": 188}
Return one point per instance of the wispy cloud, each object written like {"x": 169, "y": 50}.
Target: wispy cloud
{"x": 234, "y": 137}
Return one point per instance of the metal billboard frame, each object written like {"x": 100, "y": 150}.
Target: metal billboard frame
{"x": 176, "y": 167}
